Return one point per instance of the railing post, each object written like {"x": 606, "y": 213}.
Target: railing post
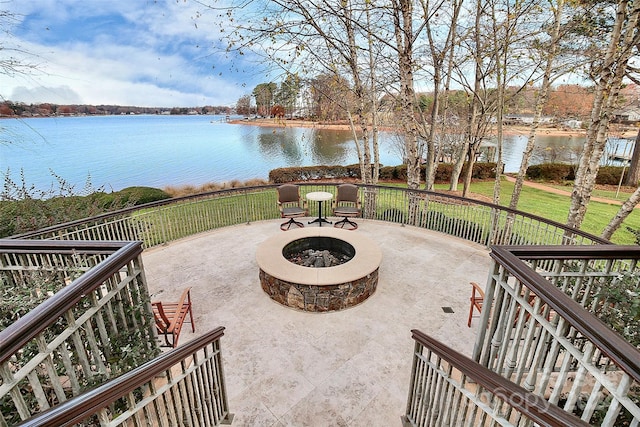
{"x": 246, "y": 206}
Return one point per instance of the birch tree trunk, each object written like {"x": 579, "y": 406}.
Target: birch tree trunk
{"x": 403, "y": 24}
{"x": 444, "y": 122}
{"x": 501, "y": 67}
{"x": 403, "y": 28}
{"x": 468, "y": 150}
{"x": 633, "y": 176}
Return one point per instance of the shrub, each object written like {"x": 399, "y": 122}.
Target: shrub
{"x": 393, "y": 173}
{"x": 387, "y": 173}
{"x": 187, "y": 190}
{"x": 308, "y": 173}
{"x": 556, "y": 172}
{"x": 443, "y": 173}
{"x": 140, "y": 195}
{"x": 482, "y": 170}
{"x": 24, "y": 209}
{"x": 25, "y": 290}
{"x": 609, "y": 175}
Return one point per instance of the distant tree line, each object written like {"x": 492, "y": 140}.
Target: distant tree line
{"x": 316, "y": 99}
{"x": 20, "y": 109}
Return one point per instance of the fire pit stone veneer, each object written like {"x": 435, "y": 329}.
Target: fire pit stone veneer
{"x": 319, "y": 289}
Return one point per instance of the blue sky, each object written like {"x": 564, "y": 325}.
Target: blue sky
{"x": 161, "y": 53}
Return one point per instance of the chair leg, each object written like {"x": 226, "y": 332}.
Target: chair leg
{"x": 287, "y": 225}
{"x": 344, "y": 221}
{"x": 166, "y": 339}
{"x": 193, "y": 324}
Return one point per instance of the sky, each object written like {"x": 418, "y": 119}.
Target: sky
{"x": 162, "y": 53}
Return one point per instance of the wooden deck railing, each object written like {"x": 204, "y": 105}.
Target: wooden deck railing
{"x": 450, "y": 389}
{"x": 161, "y": 222}
{"x": 96, "y": 324}
{"x": 538, "y": 328}
{"x": 182, "y": 387}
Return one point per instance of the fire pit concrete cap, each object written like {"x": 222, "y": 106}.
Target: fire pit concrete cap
{"x": 271, "y": 261}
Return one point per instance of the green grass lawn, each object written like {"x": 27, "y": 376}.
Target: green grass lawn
{"x": 556, "y": 207}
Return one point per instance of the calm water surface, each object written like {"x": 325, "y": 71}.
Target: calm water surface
{"x": 158, "y": 151}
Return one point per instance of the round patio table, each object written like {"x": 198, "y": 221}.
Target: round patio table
{"x": 319, "y": 196}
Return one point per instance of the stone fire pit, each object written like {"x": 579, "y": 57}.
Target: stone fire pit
{"x": 319, "y": 289}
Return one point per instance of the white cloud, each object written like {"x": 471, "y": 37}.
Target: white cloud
{"x": 158, "y": 59}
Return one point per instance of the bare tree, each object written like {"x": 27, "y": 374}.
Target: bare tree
{"x": 243, "y": 106}
{"x": 441, "y": 55}
{"x": 478, "y": 96}
{"x": 330, "y": 97}
{"x": 608, "y": 73}
{"x": 14, "y": 59}
{"x": 547, "y": 50}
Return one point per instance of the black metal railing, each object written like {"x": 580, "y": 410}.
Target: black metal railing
{"x": 164, "y": 221}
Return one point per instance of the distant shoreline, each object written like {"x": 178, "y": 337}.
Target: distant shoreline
{"x": 508, "y": 130}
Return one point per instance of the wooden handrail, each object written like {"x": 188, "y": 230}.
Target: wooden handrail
{"x": 61, "y": 246}
{"x": 625, "y": 355}
{"x": 529, "y": 404}
{"x": 80, "y": 407}
{"x": 16, "y": 335}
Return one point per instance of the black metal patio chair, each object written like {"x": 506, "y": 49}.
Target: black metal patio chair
{"x": 291, "y": 205}
{"x": 346, "y": 205}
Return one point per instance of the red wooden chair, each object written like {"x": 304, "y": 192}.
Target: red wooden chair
{"x": 477, "y": 299}
{"x": 170, "y": 317}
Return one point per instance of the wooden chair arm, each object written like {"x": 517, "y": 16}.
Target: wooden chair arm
{"x": 163, "y": 316}
{"x": 302, "y": 203}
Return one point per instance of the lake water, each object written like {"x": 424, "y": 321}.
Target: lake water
{"x": 158, "y": 151}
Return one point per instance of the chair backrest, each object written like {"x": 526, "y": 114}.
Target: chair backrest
{"x": 347, "y": 193}
{"x": 288, "y": 193}
{"x": 476, "y": 289}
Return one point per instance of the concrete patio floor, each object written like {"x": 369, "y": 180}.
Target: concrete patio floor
{"x": 349, "y": 368}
